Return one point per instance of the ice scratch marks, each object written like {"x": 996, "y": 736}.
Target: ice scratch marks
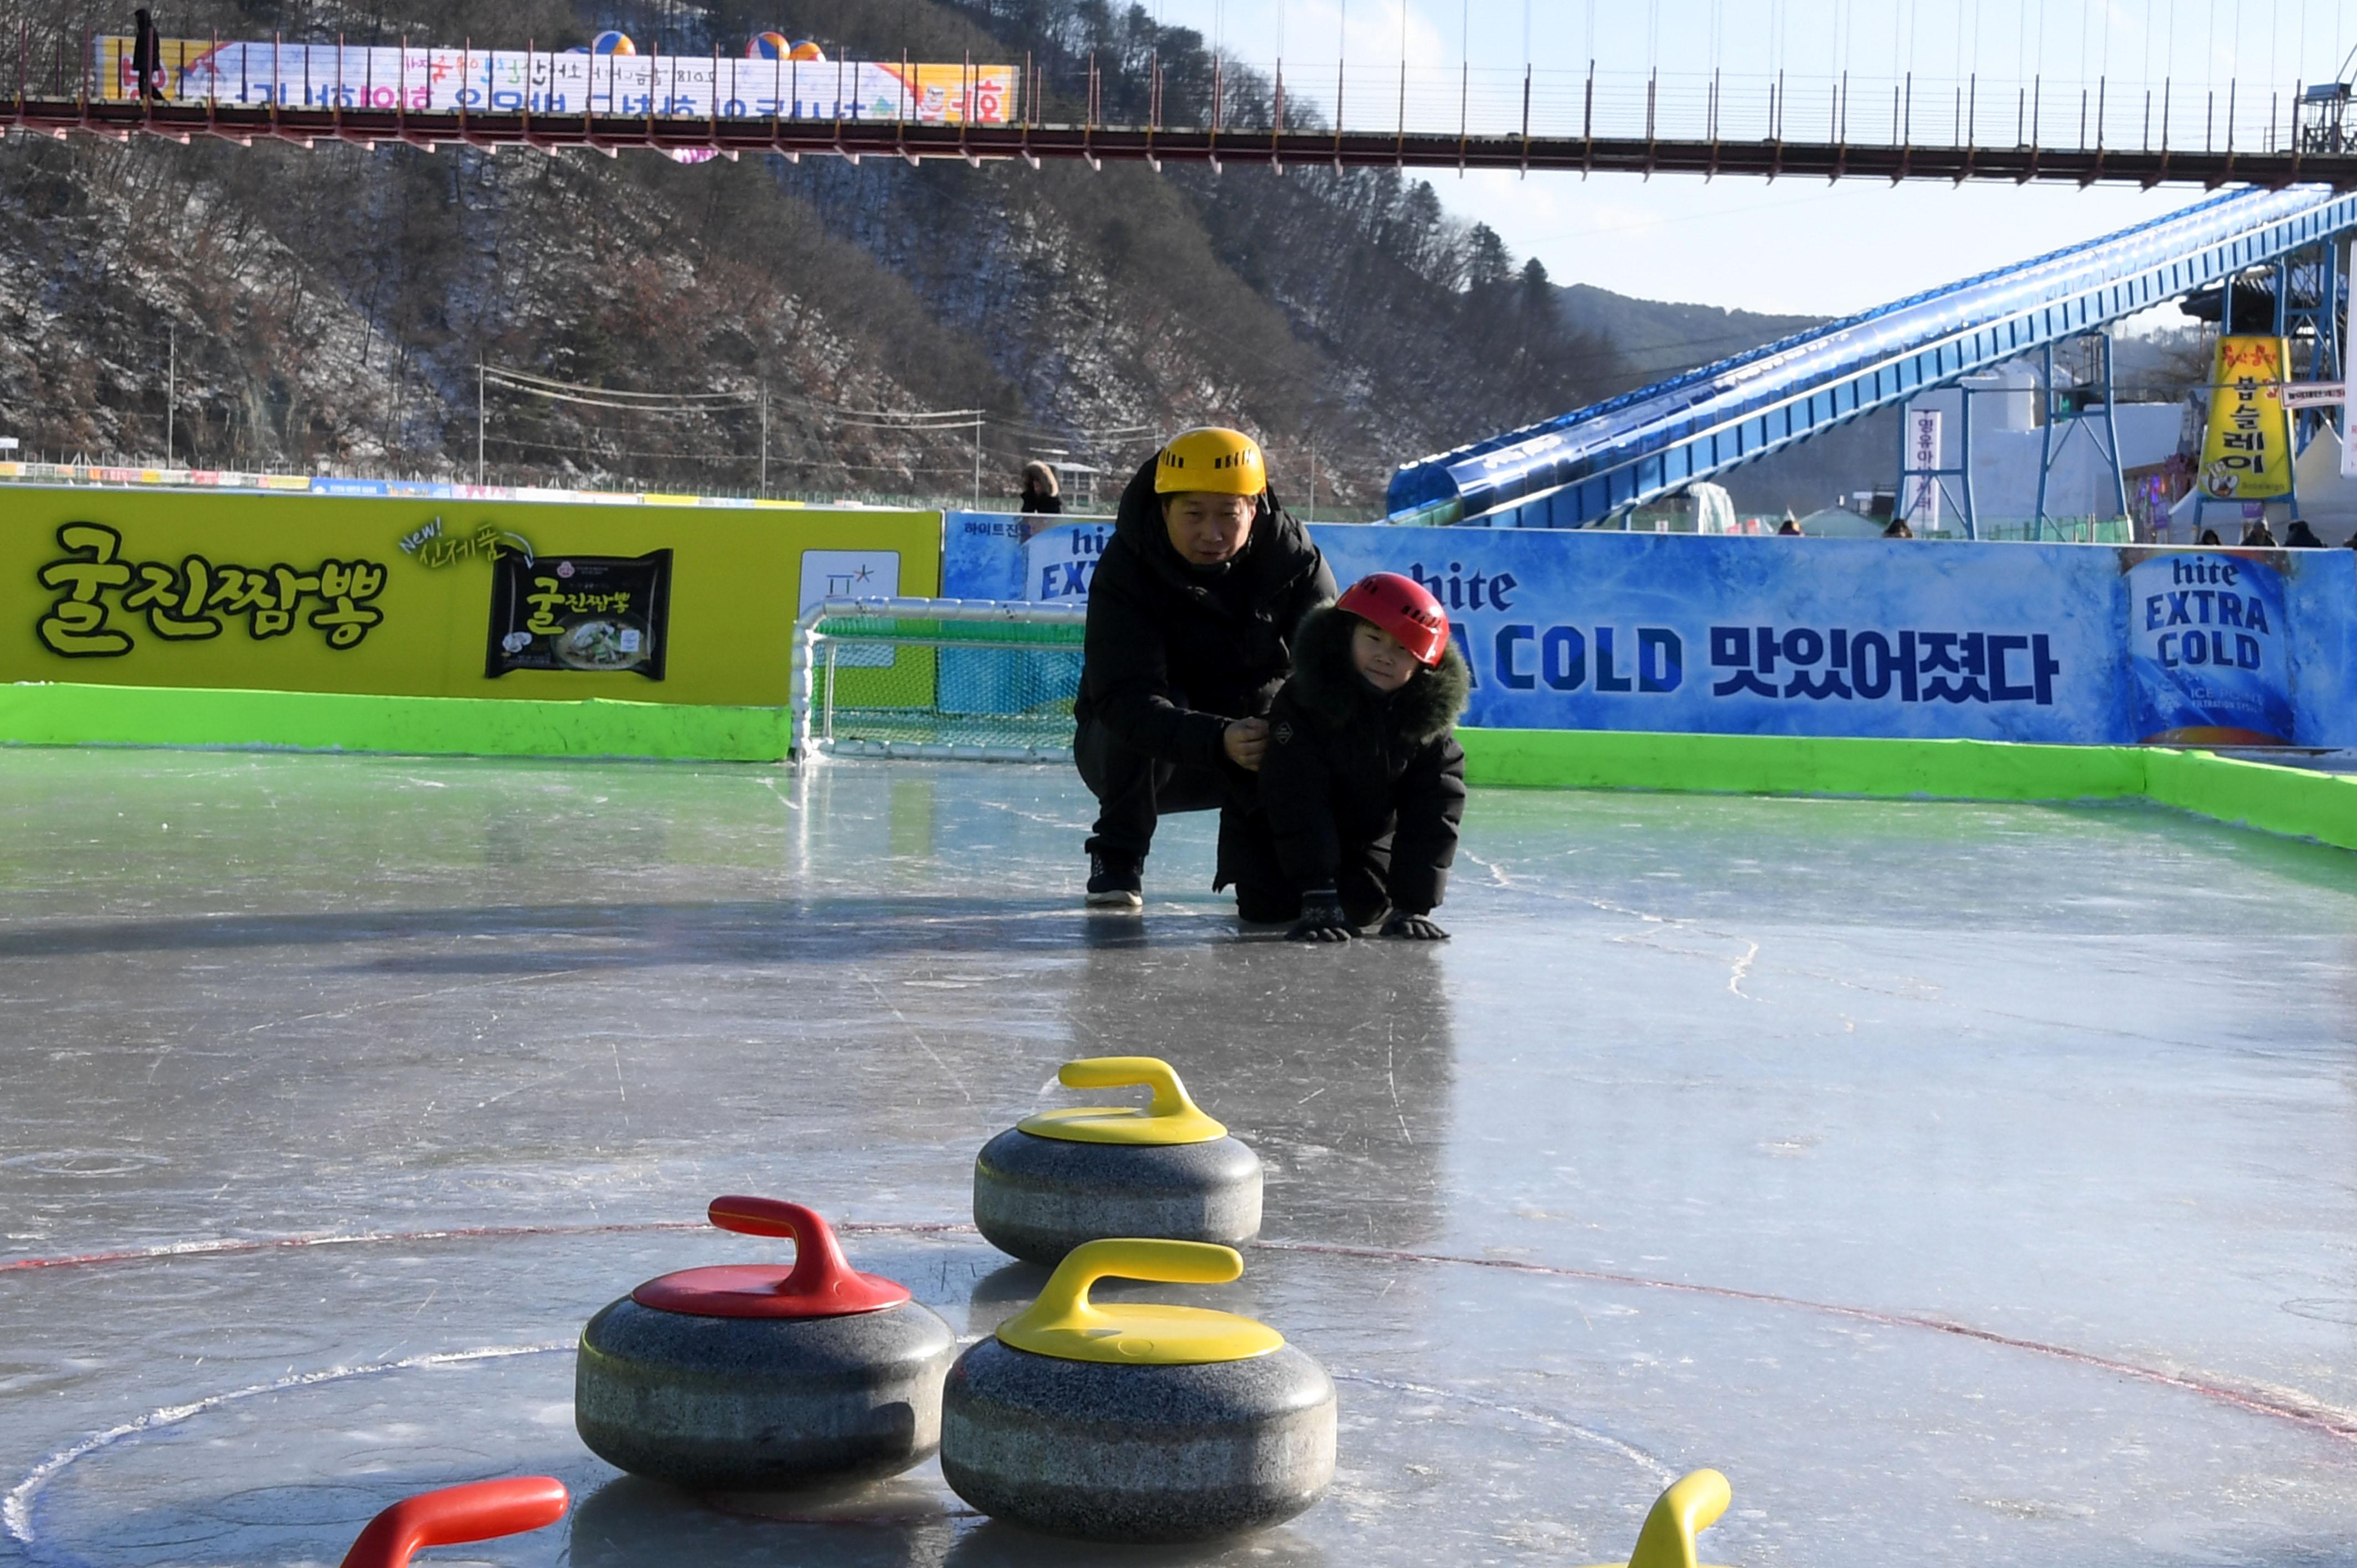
{"x": 1741, "y": 970}
{"x": 1742, "y": 967}
{"x": 1627, "y": 1451}
{"x": 534, "y": 978}
{"x": 1042, "y": 818}
{"x": 918, "y": 1035}
{"x": 16, "y": 1507}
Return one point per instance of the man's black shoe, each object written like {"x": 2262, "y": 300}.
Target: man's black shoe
{"x": 1115, "y": 884}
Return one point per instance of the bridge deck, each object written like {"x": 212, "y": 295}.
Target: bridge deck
{"x": 1099, "y": 144}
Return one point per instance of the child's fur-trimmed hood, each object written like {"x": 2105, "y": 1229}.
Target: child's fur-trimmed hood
{"x": 1331, "y": 688}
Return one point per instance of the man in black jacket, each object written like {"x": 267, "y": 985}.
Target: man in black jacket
{"x": 1203, "y": 580}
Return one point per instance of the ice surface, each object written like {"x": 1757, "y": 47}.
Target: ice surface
{"x": 1972, "y": 1184}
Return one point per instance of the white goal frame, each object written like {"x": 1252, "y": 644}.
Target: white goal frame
{"x": 814, "y": 719}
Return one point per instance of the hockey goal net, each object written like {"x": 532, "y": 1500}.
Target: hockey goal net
{"x": 967, "y": 680}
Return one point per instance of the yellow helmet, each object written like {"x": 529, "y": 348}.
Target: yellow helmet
{"x": 1211, "y": 458}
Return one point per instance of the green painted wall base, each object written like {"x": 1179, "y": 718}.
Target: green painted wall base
{"x": 2275, "y": 800}
{"x": 311, "y": 721}
{"x": 2249, "y": 794}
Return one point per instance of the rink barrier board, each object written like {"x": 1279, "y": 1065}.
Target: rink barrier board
{"x": 60, "y": 714}
{"x": 413, "y": 597}
{"x": 2286, "y": 801}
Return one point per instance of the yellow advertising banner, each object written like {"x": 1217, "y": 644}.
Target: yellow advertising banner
{"x": 2247, "y": 454}
{"x": 432, "y": 597}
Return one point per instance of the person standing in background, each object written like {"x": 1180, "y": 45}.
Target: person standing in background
{"x": 1040, "y": 493}
{"x": 148, "y": 58}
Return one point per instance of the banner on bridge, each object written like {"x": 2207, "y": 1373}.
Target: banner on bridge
{"x": 513, "y": 81}
{"x": 2084, "y": 644}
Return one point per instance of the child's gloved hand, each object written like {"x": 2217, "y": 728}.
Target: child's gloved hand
{"x": 1322, "y": 920}
{"x": 1415, "y": 927}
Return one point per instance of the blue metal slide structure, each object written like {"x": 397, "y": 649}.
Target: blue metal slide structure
{"x": 1602, "y": 461}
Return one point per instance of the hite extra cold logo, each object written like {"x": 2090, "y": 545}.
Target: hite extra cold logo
{"x": 2211, "y": 649}
{"x": 1525, "y": 656}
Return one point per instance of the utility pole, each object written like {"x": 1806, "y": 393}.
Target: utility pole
{"x": 481, "y": 424}
{"x": 171, "y": 386}
{"x": 765, "y": 441}
{"x": 977, "y": 462}
{"x": 1313, "y": 473}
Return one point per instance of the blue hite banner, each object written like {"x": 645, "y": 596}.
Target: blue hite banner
{"x": 2078, "y": 644}
{"x": 994, "y": 555}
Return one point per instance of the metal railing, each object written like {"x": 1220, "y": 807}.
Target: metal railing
{"x": 1342, "y": 113}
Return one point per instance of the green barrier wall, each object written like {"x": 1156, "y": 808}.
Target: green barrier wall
{"x": 2275, "y": 799}
{"x": 2249, "y": 794}
{"x": 431, "y": 726}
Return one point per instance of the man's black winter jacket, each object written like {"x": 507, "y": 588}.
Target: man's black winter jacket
{"x": 1176, "y": 652}
{"x": 1349, "y": 766}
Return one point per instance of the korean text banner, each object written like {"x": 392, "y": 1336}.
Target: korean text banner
{"x": 2246, "y": 452}
{"x": 510, "y": 82}
{"x": 1869, "y": 637}
{"x": 1043, "y": 559}
{"x": 2086, "y": 644}
{"x": 431, "y": 597}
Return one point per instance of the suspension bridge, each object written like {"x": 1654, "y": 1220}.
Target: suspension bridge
{"x": 2290, "y": 155}
{"x": 1902, "y": 127}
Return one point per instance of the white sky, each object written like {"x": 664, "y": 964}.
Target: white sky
{"x": 1796, "y": 245}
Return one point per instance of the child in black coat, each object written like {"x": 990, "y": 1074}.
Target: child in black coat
{"x": 1363, "y": 781}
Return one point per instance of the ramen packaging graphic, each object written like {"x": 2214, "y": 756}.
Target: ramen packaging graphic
{"x": 590, "y": 613}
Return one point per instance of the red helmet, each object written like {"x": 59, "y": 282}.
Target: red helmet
{"x": 1402, "y": 607}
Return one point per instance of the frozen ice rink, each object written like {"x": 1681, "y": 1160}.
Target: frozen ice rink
{"x": 1970, "y": 1184}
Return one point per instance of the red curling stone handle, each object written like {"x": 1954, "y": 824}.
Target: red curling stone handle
{"x": 821, "y": 1283}
{"x": 820, "y": 1268}
{"x": 455, "y": 1515}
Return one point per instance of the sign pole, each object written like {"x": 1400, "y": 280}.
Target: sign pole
{"x": 481, "y": 423}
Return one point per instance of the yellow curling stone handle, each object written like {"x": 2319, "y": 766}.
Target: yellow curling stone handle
{"x": 1066, "y": 1323}
{"x": 1172, "y": 1118}
{"x": 1690, "y": 1506}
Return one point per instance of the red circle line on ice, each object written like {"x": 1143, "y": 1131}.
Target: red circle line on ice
{"x": 2319, "y": 1418}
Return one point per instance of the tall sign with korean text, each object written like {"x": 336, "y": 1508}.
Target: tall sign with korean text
{"x": 1921, "y": 509}
{"x": 2247, "y": 454}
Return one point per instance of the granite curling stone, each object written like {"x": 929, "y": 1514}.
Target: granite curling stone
{"x": 1137, "y": 1421}
{"x": 755, "y": 1378}
{"x": 1055, "y": 1180}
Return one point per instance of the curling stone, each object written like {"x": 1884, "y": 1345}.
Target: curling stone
{"x": 1690, "y": 1506}
{"x": 1137, "y": 1422}
{"x": 1055, "y": 1180}
{"x": 755, "y": 1378}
